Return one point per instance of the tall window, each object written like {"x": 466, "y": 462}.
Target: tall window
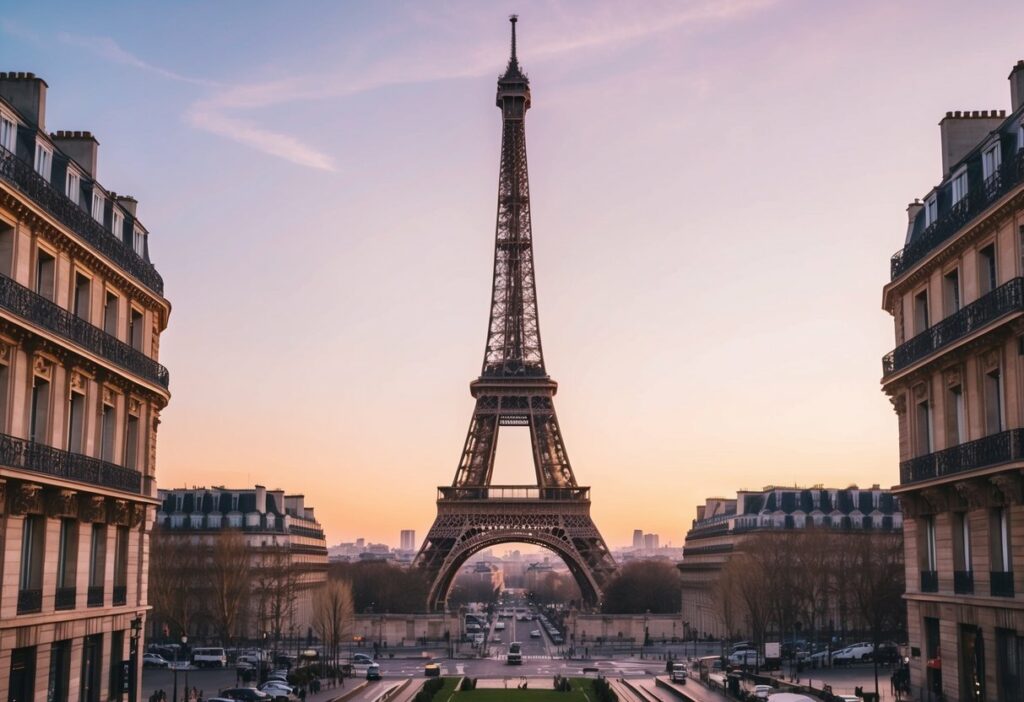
{"x": 931, "y": 210}
{"x": 72, "y": 186}
{"x": 92, "y": 672}
{"x": 40, "y": 410}
{"x": 21, "y": 683}
{"x": 107, "y": 431}
{"x": 991, "y": 160}
{"x": 1010, "y": 664}
{"x": 951, "y": 291}
{"x": 76, "y": 422}
{"x": 960, "y": 185}
{"x": 930, "y": 557}
{"x": 139, "y": 241}
{"x": 116, "y": 656}
{"x": 987, "y": 279}
{"x": 135, "y": 327}
{"x": 131, "y": 443}
{"x": 97, "y": 556}
{"x": 7, "y": 249}
{"x": 993, "y": 402}
{"x": 8, "y": 133}
{"x": 120, "y": 564}
{"x": 98, "y": 202}
{"x": 32, "y": 554}
{"x": 44, "y": 160}
{"x": 110, "y": 313}
{"x": 67, "y": 561}
{"x": 924, "y": 428}
{"x": 972, "y": 664}
{"x": 961, "y": 542}
{"x": 1000, "y": 540}
{"x": 921, "y": 321}
{"x": 83, "y": 289}
{"x": 60, "y": 672}
{"x": 955, "y": 419}
{"x": 46, "y": 267}
{"x": 117, "y": 222}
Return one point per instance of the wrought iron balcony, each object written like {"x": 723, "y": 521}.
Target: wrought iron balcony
{"x": 1002, "y": 583}
{"x": 65, "y": 598}
{"x": 1009, "y": 176}
{"x": 929, "y": 581}
{"x": 94, "y": 596}
{"x": 513, "y": 493}
{"x": 963, "y": 582}
{"x": 28, "y": 455}
{"x": 20, "y": 300}
{"x": 23, "y": 177}
{"x": 120, "y": 595}
{"x": 30, "y": 601}
{"x": 1005, "y": 299}
{"x": 1003, "y": 447}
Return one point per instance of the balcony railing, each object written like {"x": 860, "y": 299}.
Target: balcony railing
{"x": 1007, "y": 298}
{"x": 513, "y": 493}
{"x": 30, "y": 601}
{"x": 28, "y": 455}
{"x": 120, "y": 595}
{"x": 929, "y": 581}
{"x": 94, "y": 596}
{"x": 1009, "y": 175}
{"x": 20, "y": 300}
{"x": 992, "y": 450}
{"x": 1002, "y": 583}
{"x": 963, "y": 582}
{"x": 22, "y": 176}
{"x": 65, "y": 598}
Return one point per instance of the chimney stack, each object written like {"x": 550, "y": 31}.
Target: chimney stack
{"x": 81, "y": 146}
{"x": 261, "y": 499}
{"x": 27, "y": 94}
{"x": 913, "y": 209}
{"x": 128, "y": 203}
{"x": 961, "y": 131}
{"x": 1017, "y": 86}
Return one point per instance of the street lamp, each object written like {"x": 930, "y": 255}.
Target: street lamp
{"x": 174, "y": 697}
{"x": 643, "y": 643}
{"x": 133, "y": 672}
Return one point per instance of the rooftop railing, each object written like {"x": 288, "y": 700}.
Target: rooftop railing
{"x": 23, "y": 177}
{"x": 16, "y": 298}
{"x": 39, "y": 458}
{"x": 513, "y": 492}
{"x": 1005, "y": 299}
{"x": 1008, "y": 176}
{"x": 991, "y": 450}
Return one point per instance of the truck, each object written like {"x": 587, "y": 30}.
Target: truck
{"x": 515, "y": 654}
{"x": 679, "y": 674}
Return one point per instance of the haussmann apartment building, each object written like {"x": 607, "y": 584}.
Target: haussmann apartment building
{"x": 81, "y": 312}
{"x": 956, "y": 381}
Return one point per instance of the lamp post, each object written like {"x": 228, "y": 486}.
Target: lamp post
{"x": 184, "y": 642}
{"x": 643, "y": 643}
{"x": 133, "y": 670}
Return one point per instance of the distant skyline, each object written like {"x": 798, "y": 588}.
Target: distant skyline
{"x": 717, "y": 188}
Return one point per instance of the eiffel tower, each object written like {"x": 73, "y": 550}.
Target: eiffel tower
{"x": 514, "y": 389}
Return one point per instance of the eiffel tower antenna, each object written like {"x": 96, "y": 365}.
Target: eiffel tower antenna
{"x": 514, "y": 389}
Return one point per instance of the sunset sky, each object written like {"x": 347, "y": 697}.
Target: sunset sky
{"x": 717, "y": 188}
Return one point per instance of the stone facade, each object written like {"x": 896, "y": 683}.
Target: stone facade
{"x": 81, "y": 313}
{"x": 956, "y": 382}
{"x": 723, "y": 523}
{"x": 281, "y": 534}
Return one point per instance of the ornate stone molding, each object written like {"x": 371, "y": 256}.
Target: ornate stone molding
{"x": 134, "y": 406}
{"x": 138, "y": 516}
{"x": 978, "y": 494}
{"x": 921, "y": 391}
{"x": 42, "y": 367}
{"x": 77, "y": 381}
{"x": 120, "y": 512}
{"x": 1011, "y": 487}
{"x": 899, "y": 403}
{"x": 61, "y": 503}
{"x": 952, "y": 377}
{"x": 990, "y": 359}
{"x": 26, "y": 498}
{"x": 92, "y": 508}
{"x": 942, "y": 498}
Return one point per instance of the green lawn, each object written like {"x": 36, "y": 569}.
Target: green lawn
{"x": 534, "y": 694}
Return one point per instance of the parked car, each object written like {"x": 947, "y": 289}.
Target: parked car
{"x": 361, "y": 659}
{"x": 761, "y": 692}
{"x": 373, "y": 672}
{"x": 535, "y": 634}
{"x": 246, "y": 694}
{"x": 887, "y": 653}
{"x": 271, "y": 687}
{"x": 432, "y": 670}
{"x": 747, "y": 657}
{"x": 209, "y": 658}
{"x": 154, "y": 660}
{"x": 855, "y": 652}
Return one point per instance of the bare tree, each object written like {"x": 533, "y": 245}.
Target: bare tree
{"x": 228, "y": 577}
{"x": 175, "y": 580}
{"x": 275, "y": 588}
{"x": 333, "y": 615}
{"x": 878, "y": 581}
{"x": 726, "y": 600}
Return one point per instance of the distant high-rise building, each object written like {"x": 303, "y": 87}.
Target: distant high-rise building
{"x": 638, "y": 538}
{"x": 650, "y": 541}
{"x": 360, "y": 543}
{"x": 408, "y": 540}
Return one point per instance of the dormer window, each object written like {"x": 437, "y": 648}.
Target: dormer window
{"x": 116, "y": 222}
{"x": 1020, "y": 137}
{"x": 990, "y": 160}
{"x": 72, "y": 186}
{"x": 138, "y": 241}
{"x": 960, "y": 185}
{"x": 8, "y": 133}
{"x": 931, "y": 210}
{"x": 97, "y": 205}
{"x": 44, "y": 160}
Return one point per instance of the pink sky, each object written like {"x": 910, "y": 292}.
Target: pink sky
{"x": 717, "y": 188}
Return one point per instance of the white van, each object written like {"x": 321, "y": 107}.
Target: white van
{"x": 679, "y": 673}
{"x": 209, "y": 658}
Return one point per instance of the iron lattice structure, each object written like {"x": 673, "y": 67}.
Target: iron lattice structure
{"x": 514, "y": 389}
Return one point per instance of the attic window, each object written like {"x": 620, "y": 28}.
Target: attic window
{"x": 97, "y": 205}
{"x": 44, "y": 160}
{"x": 960, "y": 185}
{"x": 991, "y": 160}
{"x": 72, "y": 185}
{"x": 8, "y": 133}
{"x": 931, "y": 210}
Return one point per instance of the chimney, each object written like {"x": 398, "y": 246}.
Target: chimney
{"x": 81, "y": 146}
{"x": 913, "y": 209}
{"x": 1017, "y": 86}
{"x": 27, "y": 94}
{"x": 261, "y": 499}
{"x": 962, "y": 131}
{"x": 129, "y": 203}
